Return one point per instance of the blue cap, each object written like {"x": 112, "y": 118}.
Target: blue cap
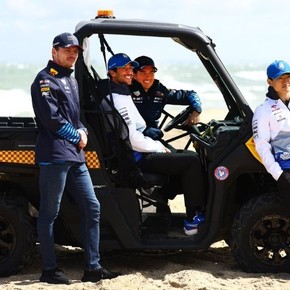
{"x": 278, "y": 68}
{"x": 121, "y": 60}
{"x": 66, "y": 39}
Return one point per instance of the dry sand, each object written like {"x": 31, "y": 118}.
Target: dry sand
{"x": 207, "y": 270}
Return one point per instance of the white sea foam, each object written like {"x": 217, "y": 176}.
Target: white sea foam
{"x": 15, "y": 81}
{"x": 255, "y": 75}
{"x": 252, "y": 88}
{"x": 15, "y": 102}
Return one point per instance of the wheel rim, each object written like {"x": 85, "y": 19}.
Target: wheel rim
{"x": 270, "y": 240}
{"x": 7, "y": 239}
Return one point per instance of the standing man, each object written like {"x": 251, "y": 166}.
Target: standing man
{"x": 151, "y": 155}
{"x": 60, "y": 156}
{"x": 271, "y": 126}
{"x": 150, "y": 97}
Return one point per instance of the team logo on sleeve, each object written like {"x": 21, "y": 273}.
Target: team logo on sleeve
{"x": 44, "y": 87}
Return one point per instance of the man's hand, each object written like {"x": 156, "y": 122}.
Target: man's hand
{"x": 192, "y": 119}
{"x": 84, "y": 139}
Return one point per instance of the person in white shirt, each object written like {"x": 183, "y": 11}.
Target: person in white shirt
{"x": 271, "y": 126}
{"x": 151, "y": 155}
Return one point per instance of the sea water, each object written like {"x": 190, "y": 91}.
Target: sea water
{"x": 16, "y": 79}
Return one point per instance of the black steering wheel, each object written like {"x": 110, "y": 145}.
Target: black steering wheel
{"x": 178, "y": 119}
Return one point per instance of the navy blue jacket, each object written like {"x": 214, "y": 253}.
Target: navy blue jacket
{"x": 151, "y": 103}
{"x": 55, "y": 100}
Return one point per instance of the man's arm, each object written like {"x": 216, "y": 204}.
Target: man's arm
{"x": 185, "y": 97}
{"x": 261, "y": 135}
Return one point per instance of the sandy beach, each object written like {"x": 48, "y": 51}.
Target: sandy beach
{"x": 212, "y": 269}
{"x": 208, "y": 270}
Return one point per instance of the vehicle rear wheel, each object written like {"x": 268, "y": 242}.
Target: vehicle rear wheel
{"x": 17, "y": 234}
{"x": 260, "y": 236}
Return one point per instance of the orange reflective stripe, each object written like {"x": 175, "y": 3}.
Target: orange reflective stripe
{"x": 28, "y": 157}
{"x": 92, "y": 159}
{"x": 17, "y": 156}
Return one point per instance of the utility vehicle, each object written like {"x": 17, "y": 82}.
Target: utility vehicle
{"x": 243, "y": 206}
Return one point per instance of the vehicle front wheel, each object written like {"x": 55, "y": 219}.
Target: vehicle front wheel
{"x": 260, "y": 236}
{"x": 17, "y": 234}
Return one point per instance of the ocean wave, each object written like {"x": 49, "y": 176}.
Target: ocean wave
{"x": 255, "y": 75}
{"x": 253, "y": 91}
{"x": 16, "y": 102}
{"x": 16, "y": 79}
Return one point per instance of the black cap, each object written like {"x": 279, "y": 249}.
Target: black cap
{"x": 66, "y": 39}
{"x": 145, "y": 61}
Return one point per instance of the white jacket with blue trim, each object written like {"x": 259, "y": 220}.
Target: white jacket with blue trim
{"x": 124, "y": 104}
{"x": 271, "y": 132}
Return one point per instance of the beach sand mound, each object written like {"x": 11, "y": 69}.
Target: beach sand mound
{"x": 186, "y": 270}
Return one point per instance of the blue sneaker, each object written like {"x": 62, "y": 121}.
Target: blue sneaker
{"x": 191, "y": 228}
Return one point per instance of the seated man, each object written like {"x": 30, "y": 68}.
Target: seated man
{"x": 151, "y": 155}
{"x": 271, "y": 127}
{"x": 150, "y": 97}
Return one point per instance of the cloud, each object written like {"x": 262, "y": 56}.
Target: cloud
{"x": 24, "y": 9}
{"x": 235, "y": 26}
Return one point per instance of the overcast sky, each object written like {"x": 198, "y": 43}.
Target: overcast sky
{"x": 245, "y": 31}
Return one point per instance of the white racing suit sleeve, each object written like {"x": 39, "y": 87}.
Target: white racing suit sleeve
{"x": 136, "y": 125}
{"x": 268, "y": 137}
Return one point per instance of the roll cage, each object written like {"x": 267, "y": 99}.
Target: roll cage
{"x": 192, "y": 38}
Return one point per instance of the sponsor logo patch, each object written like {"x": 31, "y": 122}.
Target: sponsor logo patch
{"x": 221, "y": 173}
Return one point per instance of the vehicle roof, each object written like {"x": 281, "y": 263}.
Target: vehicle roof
{"x": 192, "y": 37}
